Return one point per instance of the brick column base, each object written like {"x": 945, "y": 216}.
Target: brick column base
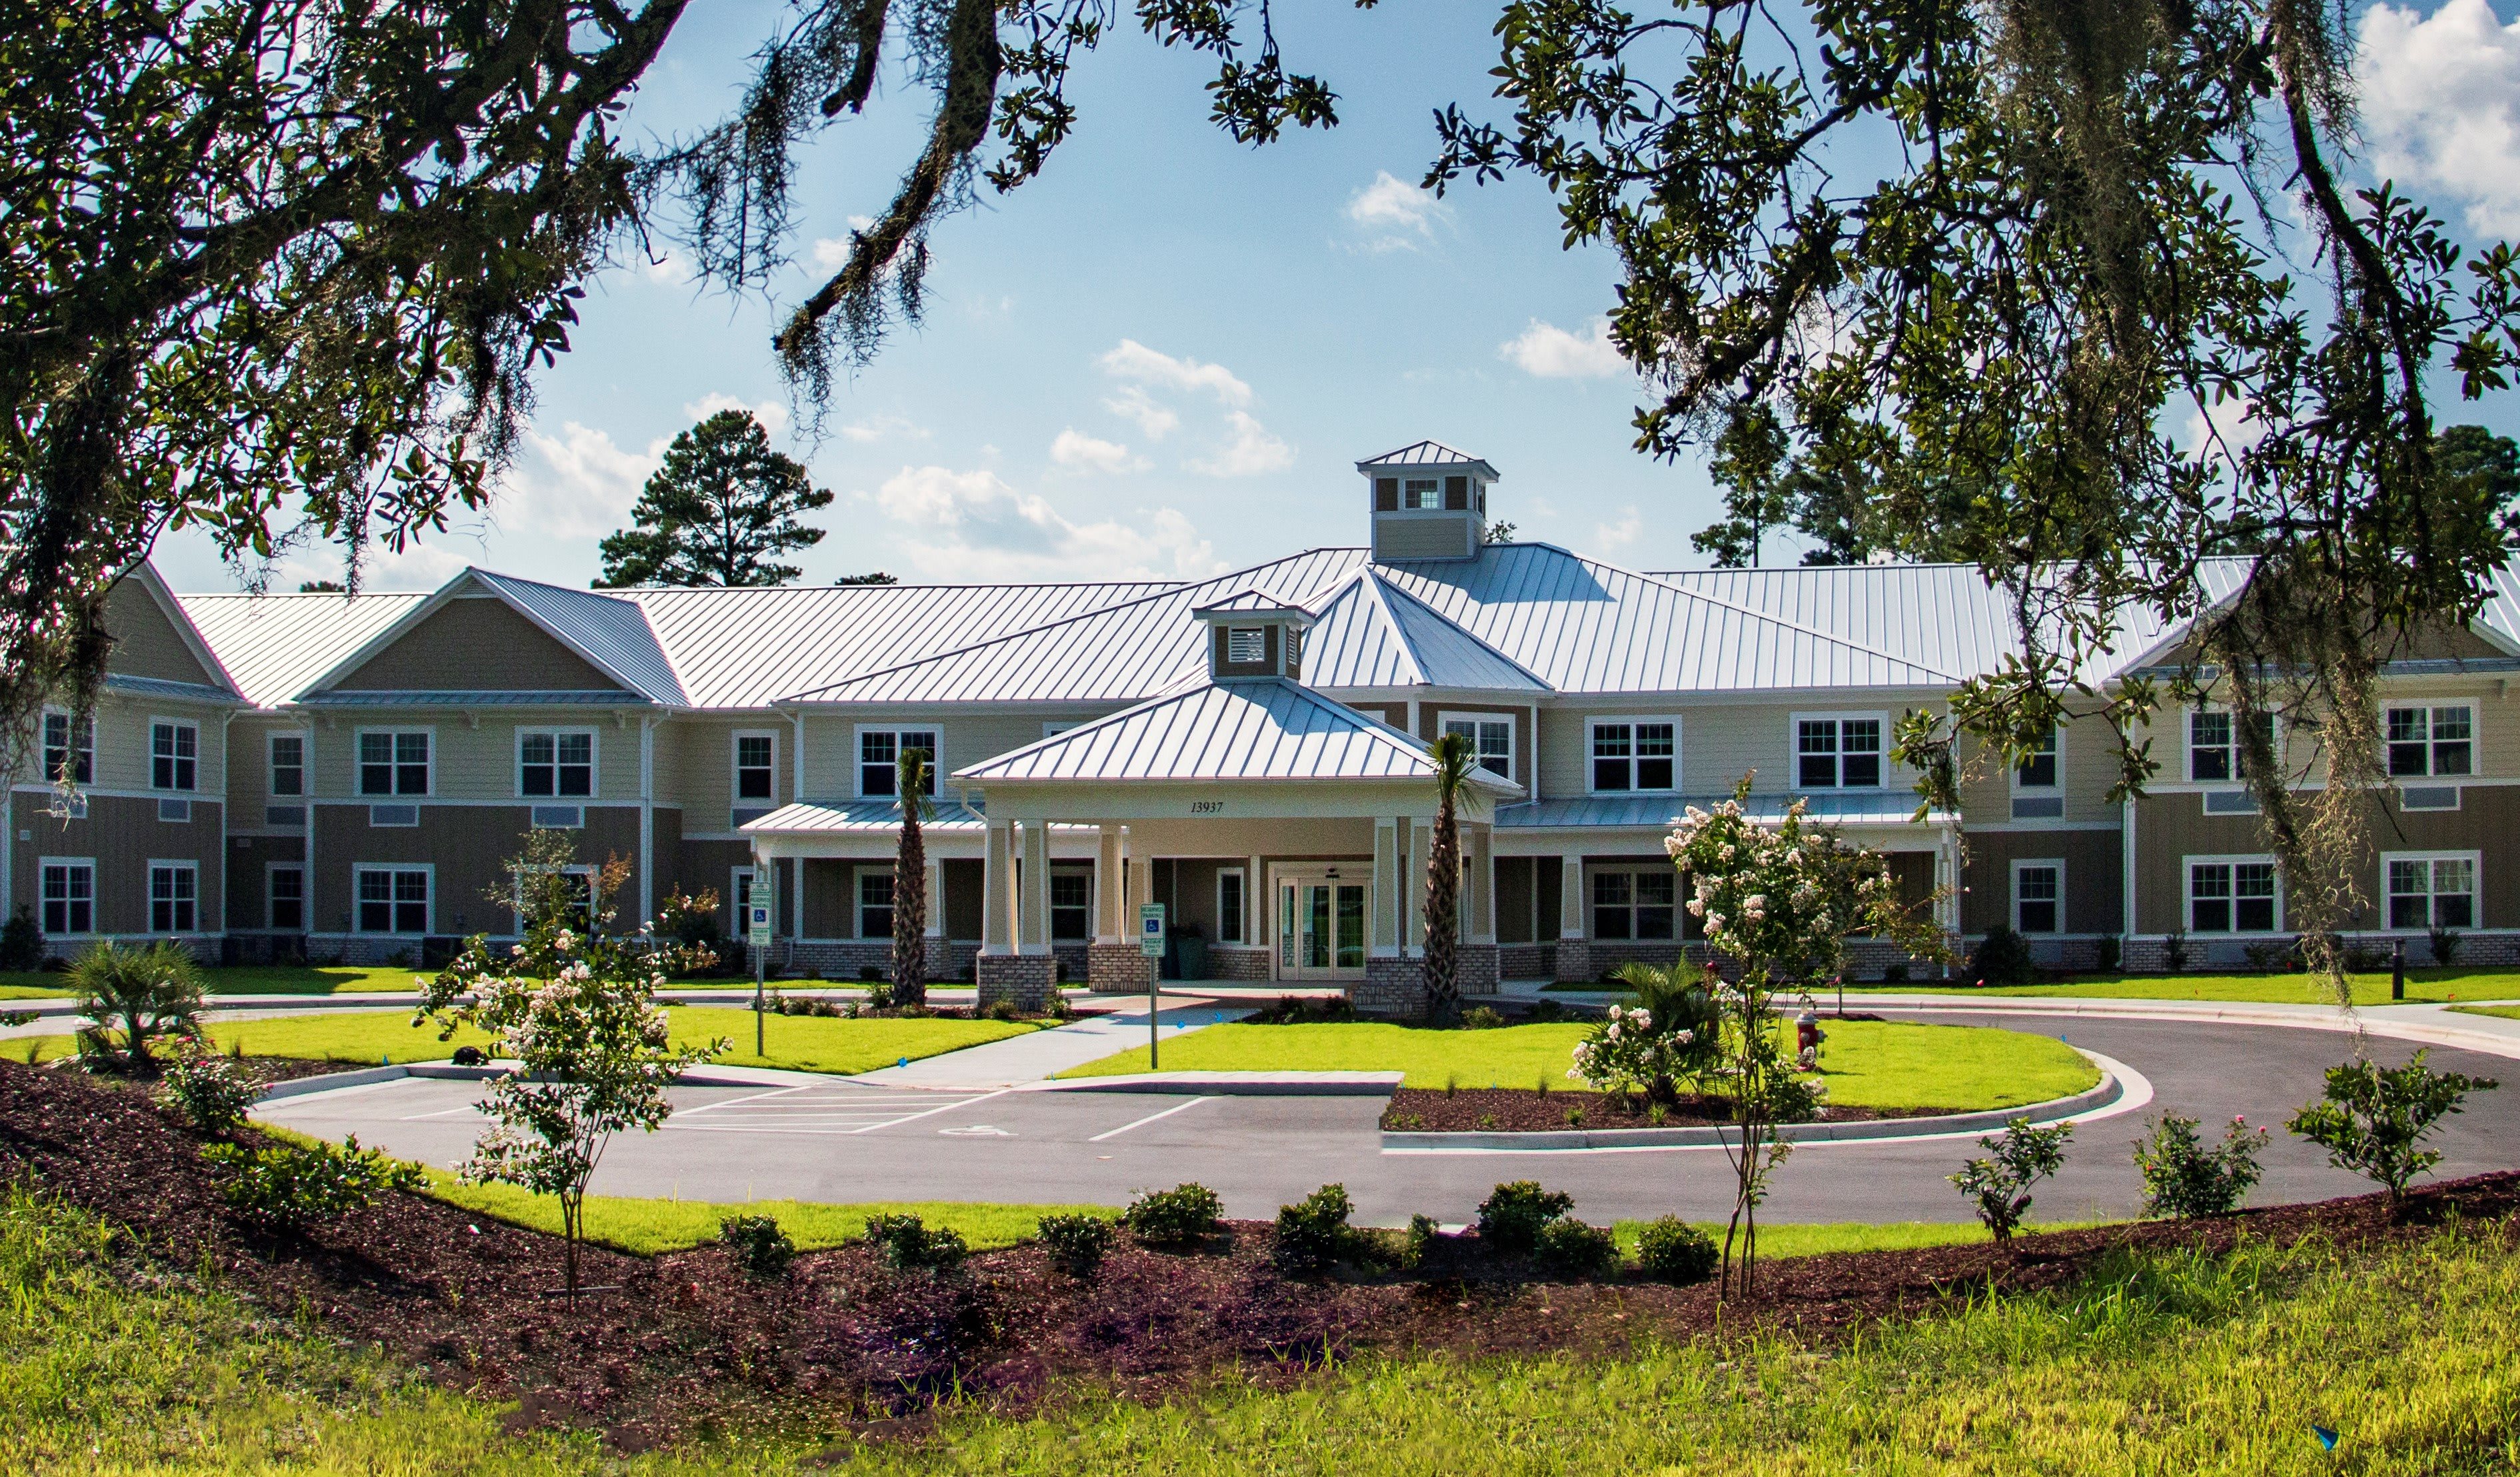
{"x": 1574, "y": 961}
{"x": 1025, "y": 979}
{"x": 1117, "y": 968}
{"x": 1391, "y": 987}
{"x": 1474, "y": 969}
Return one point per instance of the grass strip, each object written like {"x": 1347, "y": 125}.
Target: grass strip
{"x": 651, "y": 1227}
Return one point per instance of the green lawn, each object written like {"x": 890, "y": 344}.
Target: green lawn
{"x": 2507, "y": 1012}
{"x": 1790, "y": 1238}
{"x": 797, "y": 1042}
{"x": 246, "y": 979}
{"x": 1869, "y": 1064}
{"x": 2422, "y": 985}
{"x": 647, "y": 1227}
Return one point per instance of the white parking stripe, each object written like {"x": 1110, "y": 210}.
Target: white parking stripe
{"x": 748, "y": 1098}
{"x": 1150, "y": 1118}
{"x": 933, "y": 1112}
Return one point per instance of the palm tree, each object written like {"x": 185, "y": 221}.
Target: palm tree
{"x": 909, "y": 885}
{"x": 1455, "y": 761}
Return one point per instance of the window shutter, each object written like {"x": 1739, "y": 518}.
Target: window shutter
{"x": 1386, "y": 494}
{"x": 1456, "y": 495}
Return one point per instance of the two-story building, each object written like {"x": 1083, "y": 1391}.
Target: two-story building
{"x": 346, "y": 775}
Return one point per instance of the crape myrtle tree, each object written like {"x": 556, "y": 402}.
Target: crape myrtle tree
{"x": 719, "y": 509}
{"x": 284, "y": 270}
{"x": 2079, "y": 291}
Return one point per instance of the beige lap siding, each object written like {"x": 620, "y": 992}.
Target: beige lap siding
{"x": 2172, "y": 827}
{"x": 2094, "y": 882}
{"x": 122, "y": 835}
{"x": 145, "y": 644}
{"x": 477, "y": 645}
{"x": 469, "y": 847}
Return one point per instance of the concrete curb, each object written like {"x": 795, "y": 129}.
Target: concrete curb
{"x": 2092, "y": 1100}
{"x": 1233, "y": 1084}
{"x": 368, "y": 1077}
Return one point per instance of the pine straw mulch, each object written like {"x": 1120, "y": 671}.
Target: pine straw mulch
{"x": 688, "y": 1341}
{"x": 1522, "y": 1110}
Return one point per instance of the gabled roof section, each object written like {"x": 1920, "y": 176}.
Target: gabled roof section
{"x": 1253, "y": 603}
{"x": 276, "y": 645}
{"x": 1266, "y": 729}
{"x": 1425, "y": 454}
{"x": 610, "y": 634}
{"x": 1370, "y": 635}
{"x": 144, "y": 576}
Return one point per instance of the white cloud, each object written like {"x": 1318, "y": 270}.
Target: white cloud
{"x": 1134, "y": 360}
{"x": 667, "y": 266}
{"x": 771, "y": 415}
{"x": 1076, "y": 449}
{"x": 881, "y": 427}
{"x": 1252, "y": 451}
{"x": 1394, "y": 212}
{"x": 2441, "y": 102}
{"x": 831, "y": 252}
{"x": 972, "y": 526}
{"x": 1135, "y": 404}
{"x": 1552, "y": 353}
{"x": 1630, "y": 527}
{"x": 577, "y": 485}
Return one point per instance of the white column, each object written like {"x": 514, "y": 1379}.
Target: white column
{"x": 1032, "y": 913}
{"x": 1385, "y": 942}
{"x": 1570, "y": 896}
{"x": 997, "y": 891}
{"x": 936, "y": 899}
{"x": 647, "y": 818}
{"x": 1412, "y": 889}
{"x": 1477, "y": 856}
{"x": 1946, "y": 881}
{"x": 2125, "y": 872}
{"x": 1111, "y": 893}
{"x": 1255, "y": 903}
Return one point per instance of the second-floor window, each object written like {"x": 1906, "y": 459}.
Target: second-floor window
{"x": 2037, "y": 770}
{"x": 74, "y": 746}
{"x": 756, "y": 764}
{"x": 1837, "y": 753}
{"x": 174, "y": 756}
{"x": 2431, "y": 740}
{"x": 879, "y": 755}
{"x": 557, "y": 763}
{"x": 2213, "y": 747}
{"x": 1491, "y": 739}
{"x": 1635, "y": 754}
{"x": 289, "y": 763}
{"x": 394, "y": 763}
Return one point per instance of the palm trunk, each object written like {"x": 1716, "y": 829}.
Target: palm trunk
{"x": 1443, "y": 909}
{"x": 910, "y": 913}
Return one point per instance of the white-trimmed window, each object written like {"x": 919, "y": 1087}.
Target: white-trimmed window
{"x": 556, "y": 762}
{"x": 1071, "y": 904}
{"x": 874, "y": 902}
{"x": 1491, "y": 738}
{"x": 67, "y": 745}
{"x": 392, "y": 899}
{"x": 1636, "y": 904}
{"x": 284, "y": 896}
{"x": 880, "y": 752}
{"x": 2234, "y": 895}
{"x": 1838, "y": 751}
{"x": 174, "y": 754}
{"x": 174, "y": 897}
{"x": 756, "y": 767}
{"x": 2039, "y": 770}
{"x": 1421, "y": 492}
{"x": 2039, "y": 897}
{"x": 287, "y": 753}
{"x": 69, "y": 896}
{"x": 1632, "y": 754}
{"x": 2213, "y": 746}
{"x": 394, "y": 761}
{"x": 1230, "y": 894}
{"x": 2431, "y": 888}
{"x": 739, "y": 898}
{"x": 2432, "y": 740}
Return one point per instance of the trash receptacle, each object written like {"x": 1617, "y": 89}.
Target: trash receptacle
{"x": 1194, "y": 957}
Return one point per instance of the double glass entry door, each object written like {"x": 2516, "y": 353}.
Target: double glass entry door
{"x": 1321, "y": 928}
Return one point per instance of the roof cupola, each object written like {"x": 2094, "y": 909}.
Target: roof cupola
{"x": 1253, "y": 634}
{"x": 1429, "y": 502}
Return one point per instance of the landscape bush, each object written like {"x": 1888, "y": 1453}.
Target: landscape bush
{"x": 1511, "y": 1218}
{"x": 1176, "y": 1217}
{"x": 1313, "y": 1232}
{"x": 1000, "y": 1010}
{"x": 906, "y": 1243}
{"x": 21, "y": 943}
{"x": 1302, "y": 1010}
{"x": 2019, "y": 1158}
{"x": 212, "y": 1091}
{"x": 2445, "y": 946}
{"x": 288, "y": 1188}
{"x": 1076, "y": 1244}
{"x": 758, "y": 1244}
{"x": 2373, "y": 1120}
{"x": 135, "y": 995}
{"x": 1419, "y": 1241}
{"x": 1572, "y": 1248}
{"x": 2002, "y": 959}
{"x": 1671, "y": 1250}
{"x": 1482, "y": 1018}
{"x": 2109, "y": 954}
{"x": 2184, "y": 1177}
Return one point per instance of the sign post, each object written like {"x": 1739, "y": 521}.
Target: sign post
{"x": 1150, "y": 942}
{"x": 756, "y": 936}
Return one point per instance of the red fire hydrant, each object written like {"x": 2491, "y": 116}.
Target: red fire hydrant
{"x": 1806, "y": 1039}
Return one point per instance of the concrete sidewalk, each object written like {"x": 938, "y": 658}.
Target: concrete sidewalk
{"x": 1038, "y": 1054}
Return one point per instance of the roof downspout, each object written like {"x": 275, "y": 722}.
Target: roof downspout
{"x": 227, "y": 821}
{"x": 647, "y": 818}
{"x": 795, "y": 873}
{"x": 2127, "y": 871}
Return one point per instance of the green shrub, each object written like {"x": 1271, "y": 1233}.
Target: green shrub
{"x": 1894, "y": 974}
{"x": 758, "y": 1244}
{"x": 2106, "y": 957}
{"x": 1176, "y": 1217}
{"x": 879, "y": 995}
{"x": 906, "y": 1243}
{"x": 288, "y": 1188}
{"x": 1671, "y": 1250}
{"x": 1481, "y": 1018}
{"x": 2021, "y": 1157}
{"x": 1076, "y": 1243}
{"x": 2003, "y": 957}
{"x": 1419, "y": 1242}
{"x": 21, "y": 943}
{"x": 2373, "y": 1120}
{"x": 2182, "y": 1177}
{"x": 134, "y": 995}
{"x": 1302, "y": 1010}
{"x": 2445, "y": 942}
{"x": 1570, "y": 1247}
{"x": 1544, "y": 1011}
{"x": 1000, "y": 1010}
{"x": 213, "y": 1092}
{"x": 1511, "y": 1218}
{"x": 1313, "y": 1232}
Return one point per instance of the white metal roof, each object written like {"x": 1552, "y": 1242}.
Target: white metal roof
{"x": 1662, "y": 812}
{"x": 276, "y": 645}
{"x": 825, "y": 817}
{"x": 1426, "y": 454}
{"x": 1264, "y": 729}
{"x": 608, "y": 630}
{"x": 1372, "y": 636}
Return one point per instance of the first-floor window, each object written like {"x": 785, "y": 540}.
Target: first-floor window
{"x": 2038, "y": 896}
{"x": 2232, "y": 897}
{"x": 1634, "y": 905}
{"x": 69, "y": 897}
{"x": 2432, "y": 892}
{"x": 874, "y": 905}
{"x": 577, "y": 896}
{"x": 1071, "y": 905}
{"x": 1228, "y": 906}
{"x": 394, "y": 900}
{"x": 174, "y": 898}
{"x": 288, "y": 895}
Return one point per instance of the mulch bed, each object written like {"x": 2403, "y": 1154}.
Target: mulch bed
{"x": 690, "y": 1339}
{"x": 1520, "y": 1110}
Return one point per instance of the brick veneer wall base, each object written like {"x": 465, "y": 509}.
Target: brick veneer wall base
{"x": 1119, "y": 968}
{"x": 1025, "y": 979}
{"x": 1242, "y": 965}
{"x": 1391, "y": 987}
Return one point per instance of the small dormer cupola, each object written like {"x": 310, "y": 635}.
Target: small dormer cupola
{"x": 1254, "y": 634}
{"x": 1429, "y": 502}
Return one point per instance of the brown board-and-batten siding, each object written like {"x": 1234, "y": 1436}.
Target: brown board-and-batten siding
{"x": 467, "y": 847}
{"x": 122, "y": 835}
{"x": 2094, "y": 881}
{"x": 2169, "y": 828}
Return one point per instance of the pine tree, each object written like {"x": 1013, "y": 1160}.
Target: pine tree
{"x": 718, "y": 511}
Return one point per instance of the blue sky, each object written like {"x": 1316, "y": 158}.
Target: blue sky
{"x": 1163, "y": 357}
